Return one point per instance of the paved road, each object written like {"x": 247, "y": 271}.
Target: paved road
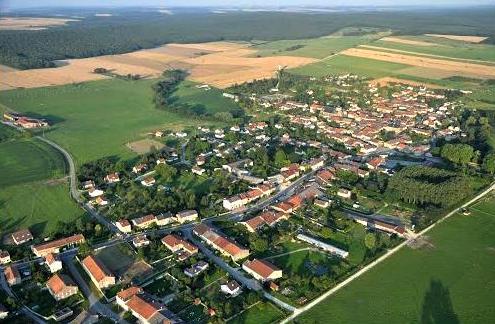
{"x": 388, "y": 254}
{"x": 74, "y": 192}
{"x": 95, "y": 306}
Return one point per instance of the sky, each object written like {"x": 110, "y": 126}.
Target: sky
{"x": 12, "y": 4}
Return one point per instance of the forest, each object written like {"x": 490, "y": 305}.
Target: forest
{"x": 128, "y": 30}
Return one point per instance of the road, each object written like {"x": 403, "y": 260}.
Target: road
{"x": 74, "y": 192}
{"x": 388, "y": 254}
{"x": 95, "y": 306}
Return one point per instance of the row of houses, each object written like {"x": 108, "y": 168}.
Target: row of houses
{"x": 219, "y": 242}
{"x": 160, "y": 220}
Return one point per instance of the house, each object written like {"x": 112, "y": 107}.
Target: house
{"x": 161, "y": 161}
{"x": 322, "y": 245}
{"x": 144, "y": 221}
{"x": 12, "y": 275}
{"x": 3, "y": 312}
{"x": 140, "y": 241}
{"x": 262, "y": 270}
{"x": 269, "y": 218}
{"x": 4, "y": 257}
{"x": 88, "y": 184}
{"x": 344, "y": 193}
{"x": 231, "y": 288}
{"x": 321, "y": 203}
{"x": 197, "y": 170}
{"x": 220, "y": 243}
{"x": 101, "y": 201}
{"x": 324, "y": 177}
{"x": 196, "y": 269}
{"x": 61, "y": 287}
{"x": 143, "y": 307}
{"x": 42, "y": 250}
{"x": 123, "y": 225}
{"x": 139, "y": 168}
{"x": 53, "y": 263}
{"x": 148, "y": 181}
{"x": 125, "y": 295}
{"x": 165, "y": 219}
{"x": 22, "y": 236}
{"x": 98, "y": 273}
{"x": 180, "y": 246}
{"x": 186, "y": 216}
{"x": 93, "y": 192}
{"x": 112, "y": 178}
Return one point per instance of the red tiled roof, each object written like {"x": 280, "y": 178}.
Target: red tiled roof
{"x": 129, "y": 292}
{"x": 261, "y": 267}
{"x": 78, "y": 238}
{"x": 96, "y": 268}
{"x": 144, "y": 308}
{"x": 11, "y": 273}
{"x": 58, "y": 283}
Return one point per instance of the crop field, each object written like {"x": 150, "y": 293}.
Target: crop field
{"x": 31, "y": 23}
{"x": 448, "y": 280}
{"x": 93, "y": 120}
{"x": 27, "y": 160}
{"x": 220, "y": 64}
{"x": 38, "y": 206}
{"x": 262, "y": 312}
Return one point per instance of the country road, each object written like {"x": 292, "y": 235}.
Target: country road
{"x": 388, "y": 254}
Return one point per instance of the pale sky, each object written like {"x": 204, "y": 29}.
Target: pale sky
{"x": 11, "y": 4}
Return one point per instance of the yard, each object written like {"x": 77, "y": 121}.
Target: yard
{"x": 262, "y": 312}
{"x": 448, "y": 280}
{"x": 118, "y": 258}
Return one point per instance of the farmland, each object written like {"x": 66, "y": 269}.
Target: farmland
{"x": 449, "y": 279}
{"x": 94, "y": 119}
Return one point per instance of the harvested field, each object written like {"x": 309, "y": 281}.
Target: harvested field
{"x": 406, "y": 41}
{"x": 457, "y": 68}
{"x": 4, "y": 68}
{"x": 381, "y": 82}
{"x": 428, "y": 73}
{"x": 468, "y": 39}
{"x": 31, "y": 23}
{"x": 218, "y": 63}
{"x": 144, "y": 146}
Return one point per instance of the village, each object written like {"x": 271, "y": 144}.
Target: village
{"x": 205, "y": 229}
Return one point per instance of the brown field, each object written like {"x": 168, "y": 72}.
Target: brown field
{"x": 468, "y": 39}
{"x": 406, "y": 41}
{"x": 457, "y": 68}
{"x": 144, "y": 146}
{"x": 427, "y": 73}
{"x": 31, "y": 23}
{"x": 220, "y": 64}
{"x": 381, "y": 82}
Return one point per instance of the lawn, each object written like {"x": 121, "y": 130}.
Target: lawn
{"x": 450, "y": 281}
{"x": 27, "y": 160}
{"x": 96, "y": 119}
{"x": 302, "y": 262}
{"x": 38, "y": 205}
{"x": 262, "y": 312}
{"x": 340, "y": 64}
{"x": 118, "y": 258}
{"x": 7, "y": 132}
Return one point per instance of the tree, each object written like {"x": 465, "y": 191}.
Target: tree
{"x": 460, "y": 154}
{"x": 281, "y": 159}
{"x": 489, "y": 163}
{"x": 167, "y": 172}
{"x": 370, "y": 241}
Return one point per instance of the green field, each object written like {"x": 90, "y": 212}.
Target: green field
{"x": 260, "y": 313}
{"x": 117, "y": 258}
{"x": 37, "y": 205}
{"x": 341, "y": 64}
{"x": 315, "y": 47}
{"x": 450, "y": 281}
{"x": 96, "y": 119}
{"x": 27, "y": 160}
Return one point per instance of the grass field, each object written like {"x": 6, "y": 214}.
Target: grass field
{"x": 27, "y": 160}
{"x": 451, "y": 281}
{"x": 117, "y": 258}
{"x": 340, "y": 64}
{"x": 315, "y": 47}
{"x": 36, "y": 205}
{"x": 96, "y": 119}
{"x": 260, "y": 313}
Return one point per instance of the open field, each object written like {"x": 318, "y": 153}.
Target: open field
{"x": 219, "y": 63}
{"x": 25, "y": 160}
{"x": 454, "y": 67}
{"x": 262, "y": 312}
{"x": 144, "y": 146}
{"x": 451, "y": 281}
{"x": 37, "y": 205}
{"x": 31, "y": 23}
{"x": 94, "y": 119}
{"x": 406, "y": 41}
{"x": 469, "y": 39}
{"x": 117, "y": 258}
{"x": 381, "y": 82}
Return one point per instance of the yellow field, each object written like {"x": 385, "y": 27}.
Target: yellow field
{"x": 468, "y": 39}
{"x": 406, "y": 41}
{"x": 31, "y": 23}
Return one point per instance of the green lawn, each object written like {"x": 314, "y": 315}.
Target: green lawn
{"x": 117, "y": 258}
{"x": 262, "y": 312}
{"x": 96, "y": 119}
{"x": 37, "y": 205}
{"x": 346, "y": 64}
{"x": 7, "y": 133}
{"x": 27, "y": 160}
{"x": 452, "y": 281}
